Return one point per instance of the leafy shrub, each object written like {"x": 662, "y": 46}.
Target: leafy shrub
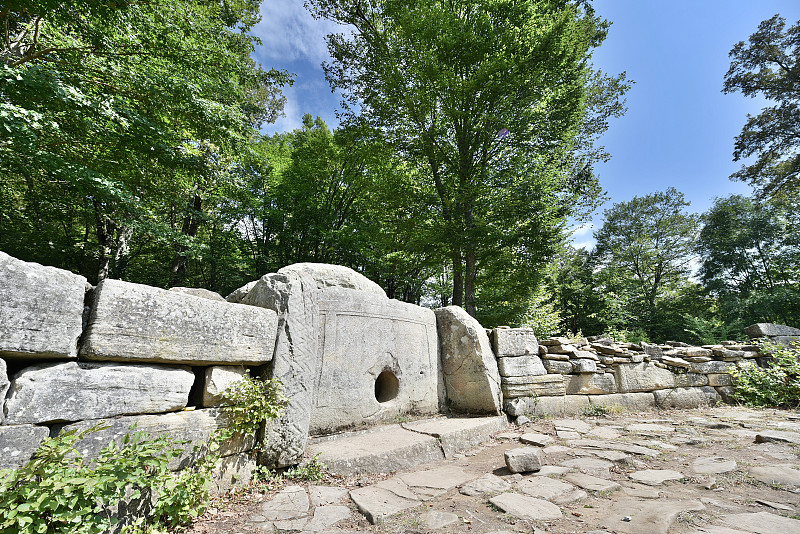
{"x": 709, "y": 331}
{"x": 626, "y": 336}
{"x": 60, "y": 492}
{"x": 777, "y": 384}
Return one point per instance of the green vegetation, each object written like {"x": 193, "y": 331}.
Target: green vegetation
{"x": 777, "y": 384}
{"x": 60, "y": 492}
{"x": 130, "y": 147}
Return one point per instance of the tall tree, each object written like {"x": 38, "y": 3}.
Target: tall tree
{"x": 494, "y": 101}
{"x": 647, "y": 244}
{"x": 768, "y": 65}
{"x": 114, "y": 117}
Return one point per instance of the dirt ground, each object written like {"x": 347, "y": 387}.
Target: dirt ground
{"x": 686, "y": 442}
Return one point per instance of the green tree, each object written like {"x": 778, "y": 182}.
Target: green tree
{"x": 769, "y": 65}
{"x": 494, "y": 102}
{"x": 645, "y": 247}
{"x": 750, "y": 260}
{"x": 118, "y": 120}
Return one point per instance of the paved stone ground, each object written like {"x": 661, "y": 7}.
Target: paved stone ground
{"x": 707, "y": 471}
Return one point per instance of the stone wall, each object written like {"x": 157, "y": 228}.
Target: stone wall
{"x": 558, "y": 376}
{"x": 72, "y": 356}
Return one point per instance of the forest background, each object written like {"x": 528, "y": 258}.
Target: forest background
{"x": 132, "y": 147}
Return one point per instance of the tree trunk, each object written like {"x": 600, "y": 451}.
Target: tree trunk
{"x": 458, "y": 278}
{"x": 190, "y": 225}
{"x": 469, "y": 281}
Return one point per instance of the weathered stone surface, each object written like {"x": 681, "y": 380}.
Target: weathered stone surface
{"x": 457, "y": 434}
{"x": 520, "y": 366}
{"x": 592, "y": 466}
{"x": 690, "y": 380}
{"x": 217, "y": 379}
{"x": 770, "y": 329}
{"x": 323, "y": 495}
{"x": 532, "y": 438}
{"x": 714, "y": 367}
{"x": 325, "y": 517}
{"x": 430, "y": 483}
{"x": 635, "y": 377}
{"x": 525, "y": 507}
{"x": 434, "y": 520}
{"x": 382, "y": 500}
{"x": 198, "y": 292}
{"x": 290, "y": 503}
{"x": 194, "y": 427}
{"x": 138, "y": 323}
{"x": 592, "y": 384}
{"x": 544, "y": 406}
{"x": 524, "y": 459}
{"x": 18, "y": 443}
{"x": 515, "y": 342}
{"x": 75, "y": 391}
{"x": 544, "y": 487}
{"x": 4, "y": 384}
{"x": 589, "y": 482}
{"x": 684, "y": 398}
{"x": 713, "y": 465}
{"x": 613, "y": 446}
{"x": 235, "y": 471}
{"x": 628, "y": 401}
{"x": 583, "y": 365}
{"x": 654, "y": 351}
{"x": 762, "y": 523}
{"x": 782, "y": 475}
{"x": 470, "y": 369}
{"x": 383, "y": 450}
{"x": 778, "y": 436}
{"x": 720, "y": 380}
{"x": 41, "y": 311}
{"x": 789, "y": 341}
{"x": 548, "y": 385}
{"x": 656, "y": 477}
{"x": 632, "y": 516}
{"x": 488, "y": 483}
{"x": 557, "y": 366}
{"x": 338, "y": 354}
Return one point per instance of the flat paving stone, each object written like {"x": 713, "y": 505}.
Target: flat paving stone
{"x": 649, "y": 428}
{"x": 604, "y": 432}
{"x": 574, "y": 425}
{"x": 614, "y": 456}
{"x": 614, "y": 446}
{"x": 327, "y": 516}
{"x": 762, "y": 523}
{"x": 377, "y": 503}
{"x": 588, "y": 482}
{"x": 552, "y": 450}
{"x": 641, "y": 491}
{"x": 290, "y": 503}
{"x": 646, "y": 517}
{"x": 567, "y": 434}
{"x": 713, "y": 465}
{"x": 778, "y": 436}
{"x": 488, "y": 483}
{"x": 589, "y": 465}
{"x": 712, "y": 529}
{"x": 322, "y": 495}
{"x": 544, "y": 487}
{"x": 655, "y": 477}
{"x": 524, "y": 507}
{"x": 569, "y": 497}
{"x": 435, "y": 520}
{"x": 783, "y": 475}
{"x": 551, "y": 470}
{"x": 532, "y": 438}
{"x": 433, "y": 482}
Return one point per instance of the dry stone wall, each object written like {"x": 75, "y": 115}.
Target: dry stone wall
{"x": 575, "y": 374}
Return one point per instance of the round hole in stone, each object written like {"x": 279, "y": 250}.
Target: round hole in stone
{"x": 386, "y": 386}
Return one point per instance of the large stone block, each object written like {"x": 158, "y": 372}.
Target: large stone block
{"x": 592, "y": 384}
{"x": 18, "y": 443}
{"x": 194, "y": 427}
{"x": 548, "y": 385}
{"x": 217, "y": 379}
{"x": 770, "y": 330}
{"x": 685, "y": 398}
{"x": 470, "y": 370}
{"x": 635, "y": 377}
{"x": 712, "y": 367}
{"x": 631, "y": 402}
{"x": 345, "y": 354}
{"x": 558, "y": 367}
{"x": 41, "y": 310}
{"x": 75, "y": 391}
{"x": 137, "y": 323}
{"x": 521, "y": 366}
{"x": 515, "y": 342}
{"x": 546, "y": 406}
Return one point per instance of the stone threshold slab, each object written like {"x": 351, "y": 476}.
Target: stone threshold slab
{"x": 390, "y": 448}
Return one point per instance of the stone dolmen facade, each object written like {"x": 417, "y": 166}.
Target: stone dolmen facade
{"x": 72, "y": 355}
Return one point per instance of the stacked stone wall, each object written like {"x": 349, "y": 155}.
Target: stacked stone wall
{"x": 571, "y": 375}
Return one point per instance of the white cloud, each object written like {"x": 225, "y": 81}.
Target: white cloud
{"x": 582, "y": 230}
{"x": 290, "y": 33}
{"x": 293, "y": 115}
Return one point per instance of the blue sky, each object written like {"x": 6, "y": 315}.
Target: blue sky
{"x": 679, "y": 127}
